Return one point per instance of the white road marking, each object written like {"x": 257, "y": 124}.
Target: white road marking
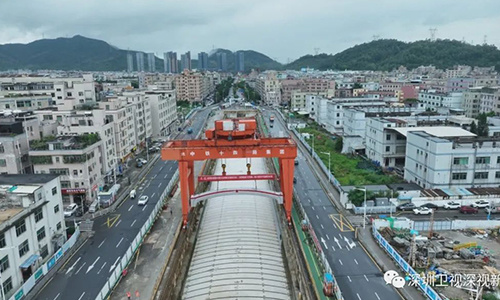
{"x": 341, "y": 262}
{"x": 324, "y": 207}
{"x": 119, "y": 243}
{"x": 113, "y": 266}
{"x": 317, "y": 217}
{"x": 334, "y": 225}
{"x": 356, "y": 261}
{"x": 165, "y": 177}
{"x": 161, "y": 168}
{"x": 71, "y": 268}
{"x": 332, "y": 247}
{"x": 312, "y": 207}
{"x": 92, "y": 266}
{"x": 98, "y": 272}
{"x": 101, "y": 243}
{"x": 309, "y": 200}
{"x": 152, "y": 196}
{"x": 132, "y": 223}
{"x": 77, "y": 271}
{"x": 118, "y": 223}
{"x": 377, "y": 296}
{"x": 130, "y": 208}
{"x": 81, "y": 296}
{"x": 367, "y": 279}
{"x": 160, "y": 185}
{"x": 348, "y": 277}
{"x": 327, "y": 236}
{"x": 57, "y": 296}
{"x": 324, "y": 243}
{"x": 358, "y": 296}
{"x": 322, "y": 226}
{"x": 144, "y": 207}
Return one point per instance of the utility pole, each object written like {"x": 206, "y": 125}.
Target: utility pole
{"x": 433, "y": 33}
{"x": 316, "y": 51}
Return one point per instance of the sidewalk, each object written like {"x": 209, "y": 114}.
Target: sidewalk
{"x": 384, "y": 262}
{"x": 147, "y": 266}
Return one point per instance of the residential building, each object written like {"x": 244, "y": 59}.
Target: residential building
{"x": 32, "y": 226}
{"x": 130, "y": 63}
{"x": 459, "y": 84}
{"x": 191, "y": 86}
{"x": 77, "y": 160}
{"x": 239, "y": 61}
{"x": 163, "y": 112}
{"x": 441, "y": 102}
{"x": 163, "y": 79}
{"x": 288, "y": 86}
{"x": 14, "y": 156}
{"x": 24, "y": 103}
{"x": 151, "y": 62}
{"x": 186, "y": 61}
{"x": 460, "y": 162}
{"x": 481, "y": 99}
{"x": 222, "y": 61}
{"x": 299, "y": 100}
{"x": 386, "y": 138}
{"x": 139, "y": 58}
{"x": 268, "y": 87}
{"x": 170, "y": 63}
{"x": 316, "y": 106}
{"x": 202, "y": 61}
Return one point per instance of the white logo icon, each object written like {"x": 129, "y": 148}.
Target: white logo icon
{"x": 392, "y": 277}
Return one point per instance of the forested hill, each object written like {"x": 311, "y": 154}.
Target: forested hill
{"x": 389, "y": 54}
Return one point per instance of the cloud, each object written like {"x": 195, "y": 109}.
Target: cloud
{"x": 279, "y": 28}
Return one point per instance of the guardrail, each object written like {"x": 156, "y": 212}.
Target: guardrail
{"x": 405, "y": 266}
{"x": 374, "y": 209}
{"x": 46, "y": 267}
{"x": 129, "y": 254}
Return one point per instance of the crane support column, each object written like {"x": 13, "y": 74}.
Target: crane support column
{"x": 286, "y": 180}
{"x": 191, "y": 178}
{"x": 185, "y": 191}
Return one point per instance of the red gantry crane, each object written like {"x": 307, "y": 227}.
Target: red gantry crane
{"x": 236, "y": 138}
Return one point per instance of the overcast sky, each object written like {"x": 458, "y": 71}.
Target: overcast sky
{"x": 281, "y": 29}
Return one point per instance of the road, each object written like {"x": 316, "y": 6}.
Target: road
{"x": 444, "y": 214}
{"x": 357, "y": 275}
{"x": 85, "y": 274}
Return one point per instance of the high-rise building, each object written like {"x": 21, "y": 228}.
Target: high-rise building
{"x": 239, "y": 61}
{"x": 140, "y": 61}
{"x": 170, "y": 64}
{"x": 202, "y": 61}
{"x": 186, "y": 61}
{"x": 222, "y": 61}
{"x": 151, "y": 62}
{"x": 130, "y": 63}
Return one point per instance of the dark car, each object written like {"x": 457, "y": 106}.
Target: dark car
{"x": 430, "y": 205}
{"x": 406, "y": 206}
{"x": 294, "y": 180}
{"x": 190, "y": 130}
{"x": 139, "y": 164}
{"x": 296, "y": 162}
{"x": 468, "y": 210}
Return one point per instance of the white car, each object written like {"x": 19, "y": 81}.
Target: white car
{"x": 452, "y": 205}
{"x": 481, "y": 204}
{"x": 143, "y": 200}
{"x": 70, "y": 210}
{"x": 422, "y": 211}
{"x": 143, "y": 161}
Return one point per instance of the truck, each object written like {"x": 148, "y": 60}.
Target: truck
{"x": 271, "y": 118}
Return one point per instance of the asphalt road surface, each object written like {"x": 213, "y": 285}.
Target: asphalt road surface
{"x": 85, "y": 274}
{"x": 357, "y": 275}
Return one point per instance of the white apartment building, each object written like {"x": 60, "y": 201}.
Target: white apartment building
{"x": 298, "y": 101}
{"x": 386, "y": 138}
{"x": 335, "y": 111}
{"x": 481, "y": 99}
{"x": 19, "y": 102}
{"x": 14, "y": 158}
{"x": 163, "y": 105}
{"x": 461, "y": 162}
{"x": 440, "y": 101}
{"x": 32, "y": 226}
{"x": 316, "y": 106}
{"x": 77, "y": 160}
{"x": 269, "y": 88}
{"x": 138, "y": 116}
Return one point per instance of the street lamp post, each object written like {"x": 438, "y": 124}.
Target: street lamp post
{"x": 364, "y": 212}
{"x": 313, "y": 145}
{"x": 329, "y": 166}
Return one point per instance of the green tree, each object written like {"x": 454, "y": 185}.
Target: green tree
{"x": 482, "y": 125}
{"x": 357, "y": 197}
{"x": 357, "y": 85}
{"x": 473, "y": 127}
{"x": 339, "y": 143}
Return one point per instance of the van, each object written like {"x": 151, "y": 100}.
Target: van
{"x": 94, "y": 207}
{"x": 132, "y": 194}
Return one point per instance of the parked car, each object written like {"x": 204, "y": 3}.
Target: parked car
{"x": 132, "y": 194}
{"x": 94, "y": 207}
{"x": 294, "y": 180}
{"x": 143, "y": 200}
{"x": 468, "y": 209}
{"x": 70, "y": 210}
{"x": 430, "y": 205}
{"x": 406, "y": 206}
{"x": 481, "y": 204}
{"x": 452, "y": 205}
{"x": 296, "y": 162}
{"x": 139, "y": 164}
{"x": 492, "y": 210}
{"x": 190, "y": 130}
{"x": 422, "y": 210}
{"x": 143, "y": 161}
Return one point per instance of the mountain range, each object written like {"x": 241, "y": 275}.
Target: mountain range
{"x": 86, "y": 54}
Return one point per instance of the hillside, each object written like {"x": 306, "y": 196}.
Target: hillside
{"x": 389, "y": 54}
{"x": 81, "y": 53}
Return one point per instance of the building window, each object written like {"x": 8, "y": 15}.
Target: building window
{"x": 2, "y": 149}
{"x": 54, "y": 190}
{"x": 483, "y": 160}
{"x": 58, "y": 159}
{"x": 44, "y": 251}
{"x": 2, "y": 241}
{"x": 388, "y": 137}
{"x": 7, "y": 285}
{"x": 58, "y": 226}
{"x": 24, "y": 248}
{"x": 75, "y": 172}
{"x": 4, "y": 263}
{"x": 20, "y": 228}
{"x": 38, "y": 214}
{"x": 497, "y": 175}
{"x": 481, "y": 175}
{"x": 387, "y": 148}
{"x": 40, "y": 234}
{"x": 498, "y": 160}
{"x": 463, "y": 161}
{"x": 3, "y": 162}
{"x": 459, "y": 176}
{"x": 56, "y": 209}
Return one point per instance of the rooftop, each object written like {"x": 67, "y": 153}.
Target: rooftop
{"x": 16, "y": 179}
{"x": 77, "y": 142}
{"x": 437, "y": 131}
